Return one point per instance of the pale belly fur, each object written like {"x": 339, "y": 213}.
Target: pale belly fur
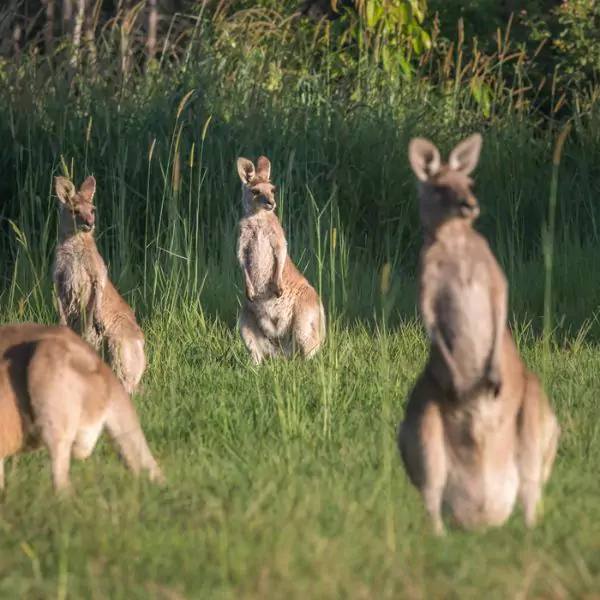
{"x": 74, "y": 287}
{"x": 483, "y": 482}
{"x": 467, "y": 326}
{"x": 274, "y": 315}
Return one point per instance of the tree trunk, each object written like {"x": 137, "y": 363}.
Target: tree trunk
{"x": 126, "y": 19}
{"x": 67, "y": 17}
{"x": 77, "y": 28}
{"x": 49, "y": 28}
{"x": 90, "y": 28}
{"x": 152, "y": 23}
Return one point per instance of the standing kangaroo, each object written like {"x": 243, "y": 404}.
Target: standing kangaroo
{"x": 88, "y": 302}
{"x": 463, "y": 291}
{"x": 281, "y": 308}
{"x": 470, "y": 456}
{"x": 56, "y": 391}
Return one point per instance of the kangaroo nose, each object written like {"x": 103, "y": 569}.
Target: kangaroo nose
{"x": 469, "y": 207}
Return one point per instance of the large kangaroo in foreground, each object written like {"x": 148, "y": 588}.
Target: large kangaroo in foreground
{"x": 88, "y": 301}
{"x": 56, "y": 391}
{"x": 470, "y": 451}
{"x": 281, "y": 308}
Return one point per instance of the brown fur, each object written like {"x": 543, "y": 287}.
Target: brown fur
{"x": 478, "y": 430}
{"x": 88, "y": 302}
{"x": 281, "y": 308}
{"x": 55, "y": 391}
{"x": 463, "y": 291}
{"x": 475, "y": 458}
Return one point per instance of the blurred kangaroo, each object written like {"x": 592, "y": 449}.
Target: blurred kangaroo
{"x": 473, "y": 459}
{"x": 470, "y": 449}
{"x": 56, "y": 391}
{"x": 463, "y": 290}
{"x": 281, "y": 308}
{"x": 88, "y": 302}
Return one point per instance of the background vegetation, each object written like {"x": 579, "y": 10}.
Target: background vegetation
{"x": 285, "y": 479}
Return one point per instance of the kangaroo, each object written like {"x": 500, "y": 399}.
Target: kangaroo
{"x": 56, "y": 391}
{"x": 470, "y": 448}
{"x": 463, "y": 291}
{"x": 473, "y": 459}
{"x": 281, "y": 308}
{"x": 88, "y": 301}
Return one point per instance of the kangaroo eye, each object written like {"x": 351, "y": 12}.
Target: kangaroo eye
{"x": 256, "y": 193}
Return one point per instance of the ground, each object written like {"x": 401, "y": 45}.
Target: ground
{"x": 284, "y": 481}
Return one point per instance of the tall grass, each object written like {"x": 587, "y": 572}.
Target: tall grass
{"x": 163, "y": 152}
{"x": 284, "y": 479}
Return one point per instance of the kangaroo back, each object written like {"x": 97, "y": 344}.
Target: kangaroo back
{"x": 55, "y": 388}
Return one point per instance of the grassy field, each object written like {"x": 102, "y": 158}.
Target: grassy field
{"x": 284, "y": 480}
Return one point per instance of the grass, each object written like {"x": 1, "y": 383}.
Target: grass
{"x": 284, "y": 480}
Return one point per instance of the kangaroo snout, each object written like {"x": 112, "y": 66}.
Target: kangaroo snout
{"x": 85, "y": 226}
{"x": 469, "y": 208}
{"x": 267, "y": 203}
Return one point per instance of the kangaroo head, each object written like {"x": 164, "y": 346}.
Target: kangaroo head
{"x": 77, "y": 210}
{"x": 445, "y": 188}
{"x": 258, "y": 193}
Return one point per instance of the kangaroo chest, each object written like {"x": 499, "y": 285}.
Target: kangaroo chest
{"x": 257, "y": 255}
{"x": 72, "y": 277}
{"x": 459, "y": 283}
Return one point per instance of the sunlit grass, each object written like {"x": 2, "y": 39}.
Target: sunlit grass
{"x": 284, "y": 479}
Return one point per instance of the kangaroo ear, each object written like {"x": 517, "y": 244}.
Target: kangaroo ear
{"x": 65, "y": 190}
{"x": 424, "y": 158}
{"x": 245, "y": 169}
{"x": 264, "y": 168}
{"x": 465, "y": 156}
{"x": 88, "y": 189}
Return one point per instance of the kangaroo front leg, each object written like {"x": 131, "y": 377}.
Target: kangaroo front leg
{"x": 98, "y": 293}
{"x": 500, "y": 313}
{"x": 428, "y": 294}
{"x": 62, "y": 316}
{"x": 280, "y": 257}
{"x": 250, "y": 291}
{"x": 243, "y": 257}
{"x": 457, "y": 384}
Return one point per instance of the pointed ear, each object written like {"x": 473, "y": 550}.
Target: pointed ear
{"x": 264, "y": 168}
{"x": 88, "y": 189}
{"x": 245, "y": 169}
{"x": 465, "y": 156}
{"x": 65, "y": 190}
{"x": 424, "y": 158}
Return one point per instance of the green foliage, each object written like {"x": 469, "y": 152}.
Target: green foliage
{"x": 388, "y": 27}
{"x": 284, "y": 480}
{"x": 480, "y": 19}
{"x": 577, "y": 44}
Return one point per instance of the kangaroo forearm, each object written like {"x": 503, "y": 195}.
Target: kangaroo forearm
{"x": 250, "y": 292}
{"x": 453, "y": 368}
{"x": 62, "y": 317}
{"x": 98, "y": 298}
{"x": 501, "y": 314}
{"x": 280, "y": 258}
